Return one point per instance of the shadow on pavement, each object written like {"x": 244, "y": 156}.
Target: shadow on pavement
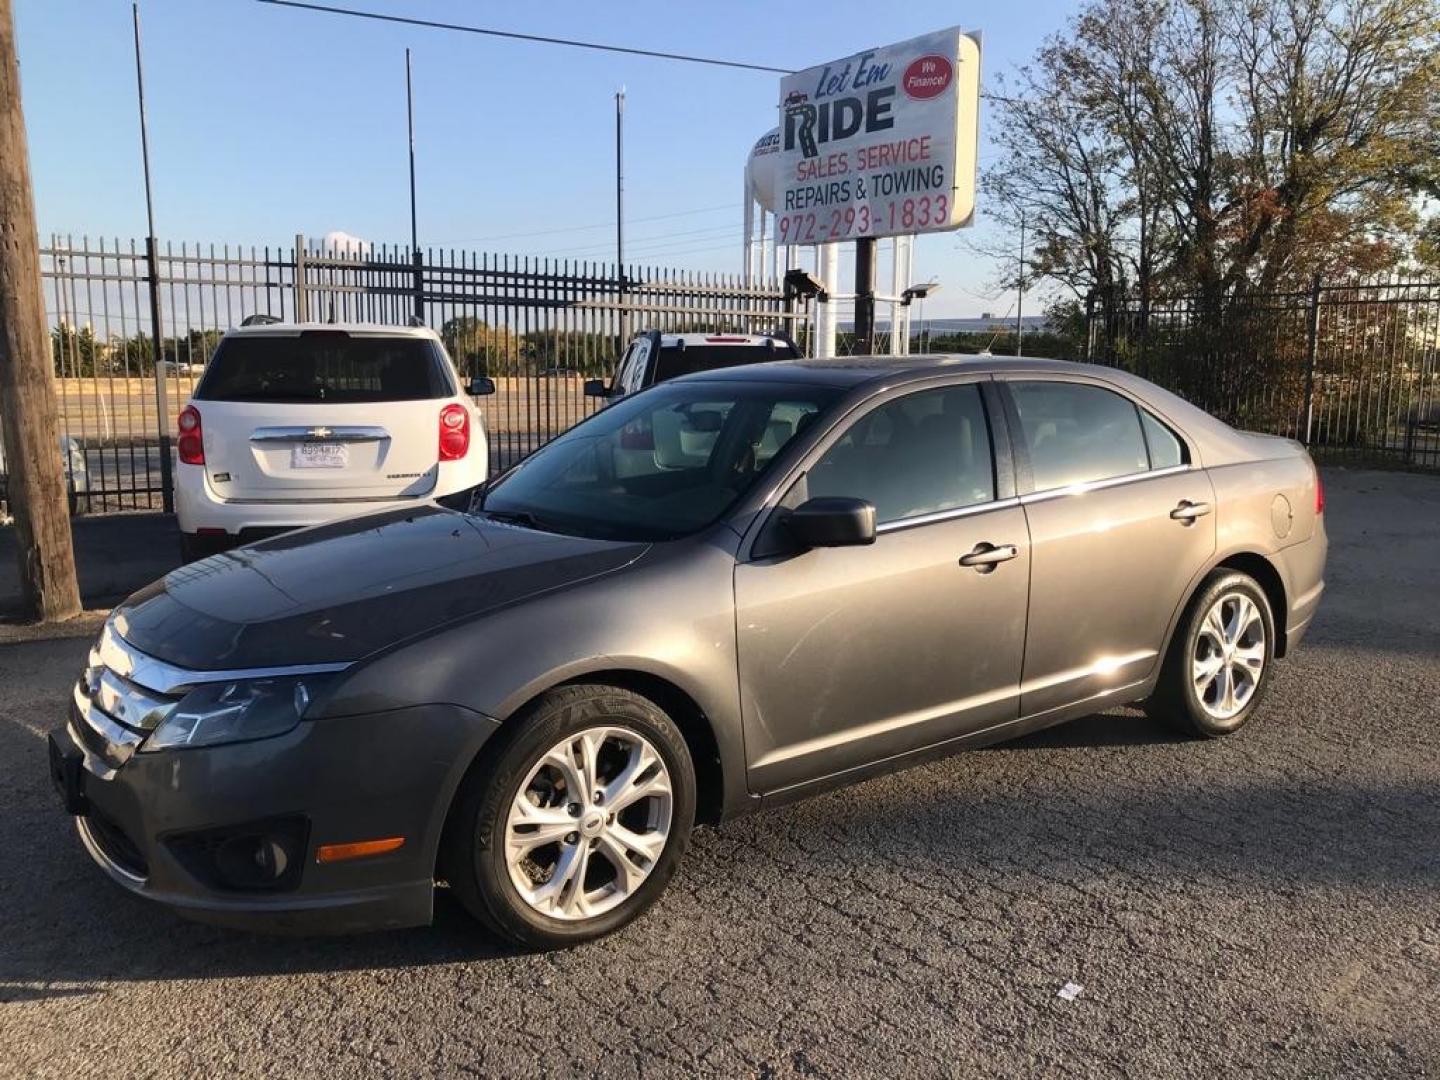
{"x": 68, "y": 927}
{"x": 1103, "y": 729}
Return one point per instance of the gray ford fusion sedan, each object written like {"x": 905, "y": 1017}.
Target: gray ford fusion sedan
{"x": 726, "y": 592}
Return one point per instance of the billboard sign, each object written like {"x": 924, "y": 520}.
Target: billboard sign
{"x": 882, "y": 143}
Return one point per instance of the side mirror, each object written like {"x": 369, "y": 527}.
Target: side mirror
{"x": 481, "y": 386}
{"x": 832, "y": 521}
{"x": 596, "y": 388}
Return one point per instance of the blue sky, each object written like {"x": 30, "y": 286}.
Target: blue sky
{"x": 266, "y": 121}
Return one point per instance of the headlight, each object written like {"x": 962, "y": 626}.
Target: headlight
{"x": 230, "y": 712}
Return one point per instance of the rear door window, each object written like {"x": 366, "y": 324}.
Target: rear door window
{"x": 331, "y": 367}
{"x": 1166, "y": 449}
{"x": 1077, "y": 433}
{"x": 674, "y": 361}
{"x": 632, "y": 373}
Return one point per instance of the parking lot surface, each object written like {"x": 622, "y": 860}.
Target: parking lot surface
{"x": 1267, "y": 904}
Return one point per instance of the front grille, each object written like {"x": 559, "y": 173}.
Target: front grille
{"x": 112, "y": 685}
{"x": 115, "y": 845}
{"x": 115, "y": 708}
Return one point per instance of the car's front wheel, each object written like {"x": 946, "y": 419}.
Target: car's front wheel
{"x": 574, "y": 822}
{"x": 1219, "y": 661}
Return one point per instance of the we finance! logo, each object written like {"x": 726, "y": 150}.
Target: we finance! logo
{"x": 927, "y": 77}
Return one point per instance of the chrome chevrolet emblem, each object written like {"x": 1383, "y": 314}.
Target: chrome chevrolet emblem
{"x": 319, "y": 433}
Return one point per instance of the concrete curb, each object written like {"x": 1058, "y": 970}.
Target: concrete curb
{"x": 86, "y": 624}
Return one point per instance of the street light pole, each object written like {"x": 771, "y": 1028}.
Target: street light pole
{"x": 152, "y": 273}
{"x": 1020, "y": 300}
{"x": 620, "y": 217}
{"x": 416, "y": 262}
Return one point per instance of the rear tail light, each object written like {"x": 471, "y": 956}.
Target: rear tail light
{"x": 1319, "y": 494}
{"x": 454, "y": 432}
{"x": 192, "y": 440}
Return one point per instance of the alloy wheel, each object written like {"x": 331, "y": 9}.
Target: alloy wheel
{"x": 1229, "y": 656}
{"x": 589, "y": 823}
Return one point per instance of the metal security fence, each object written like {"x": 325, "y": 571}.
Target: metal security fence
{"x": 538, "y": 326}
{"x": 1351, "y": 370}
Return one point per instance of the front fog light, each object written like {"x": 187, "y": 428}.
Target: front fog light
{"x": 230, "y": 712}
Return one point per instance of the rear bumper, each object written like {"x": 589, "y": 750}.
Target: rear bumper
{"x": 199, "y": 506}
{"x": 155, "y": 823}
{"x": 1303, "y": 566}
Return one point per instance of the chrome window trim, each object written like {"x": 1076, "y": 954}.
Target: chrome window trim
{"x": 82, "y": 826}
{"x": 145, "y": 671}
{"x": 312, "y": 433}
{"x": 945, "y": 515}
{"x": 1100, "y": 485}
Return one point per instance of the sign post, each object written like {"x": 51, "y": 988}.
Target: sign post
{"x": 881, "y": 143}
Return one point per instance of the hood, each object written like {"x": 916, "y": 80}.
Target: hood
{"x": 339, "y": 592}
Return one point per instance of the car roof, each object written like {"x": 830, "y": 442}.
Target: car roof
{"x": 284, "y": 329}
{"x": 849, "y": 371}
{"x": 859, "y": 376}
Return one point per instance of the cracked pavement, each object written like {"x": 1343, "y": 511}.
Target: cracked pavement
{"x": 1267, "y": 904}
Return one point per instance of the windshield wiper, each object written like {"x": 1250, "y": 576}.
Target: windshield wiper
{"x": 519, "y": 517}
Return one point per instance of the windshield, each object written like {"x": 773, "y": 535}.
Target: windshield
{"x": 658, "y": 465}
{"x": 329, "y": 366}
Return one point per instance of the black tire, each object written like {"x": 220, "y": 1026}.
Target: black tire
{"x": 474, "y": 858}
{"x": 191, "y": 549}
{"x": 1176, "y": 699}
{"x": 194, "y": 548}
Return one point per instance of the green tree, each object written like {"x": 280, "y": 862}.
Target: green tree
{"x": 76, "y": 351}
{"x": 479, "y": 348}
{"x": 1221, "y": 148}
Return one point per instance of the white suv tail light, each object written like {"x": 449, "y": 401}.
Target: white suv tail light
{"x": 191, "y": 446}
{"x": 454, "y": 432}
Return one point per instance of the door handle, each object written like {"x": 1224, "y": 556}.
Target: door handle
{"x": 987, "y": 556}
{"x": 1188, "y": 511}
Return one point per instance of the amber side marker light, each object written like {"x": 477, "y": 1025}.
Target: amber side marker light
{"x": 328, "y": 853}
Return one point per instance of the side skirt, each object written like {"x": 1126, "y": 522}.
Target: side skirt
{"x": 1012, "y": 729}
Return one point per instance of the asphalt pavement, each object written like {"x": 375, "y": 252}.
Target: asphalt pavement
{"x": 1266, "y": 905}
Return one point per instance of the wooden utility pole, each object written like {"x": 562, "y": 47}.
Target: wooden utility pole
{"x": 28, "y": 414}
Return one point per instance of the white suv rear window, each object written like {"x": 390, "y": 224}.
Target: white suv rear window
{"x": 325, "y": 366}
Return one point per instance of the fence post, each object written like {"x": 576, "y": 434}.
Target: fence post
{"x": 302, "y": 301}
{"x": 1312, "y": 347}
{"x": 162, "y": 406}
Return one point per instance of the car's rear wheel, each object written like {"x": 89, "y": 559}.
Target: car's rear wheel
{"x": 573, "y": 823}
{"x": 1219, "y": 662}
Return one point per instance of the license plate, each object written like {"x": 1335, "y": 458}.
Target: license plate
{"x": 67, "y": 774}
{"x": 320, "y": 455}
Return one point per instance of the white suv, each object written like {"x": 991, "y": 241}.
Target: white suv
{"x": 298, "y": 424}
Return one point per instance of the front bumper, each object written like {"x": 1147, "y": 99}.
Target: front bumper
{"x": 142, "y": 816}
